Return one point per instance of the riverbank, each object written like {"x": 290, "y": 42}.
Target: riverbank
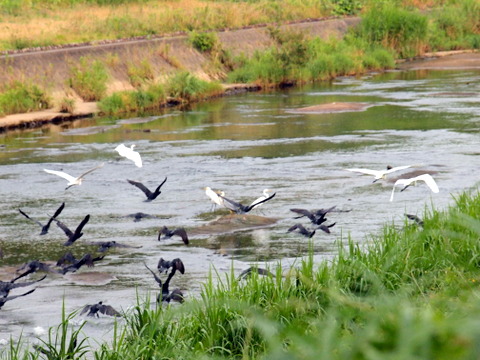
{"x": 434, "y": 61}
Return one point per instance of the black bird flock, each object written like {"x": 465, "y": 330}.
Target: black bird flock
{"x": 69, "y": 263}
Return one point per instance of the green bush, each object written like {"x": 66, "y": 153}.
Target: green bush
{"x": 401, "y": 30}
{"x": 89, "y": 79}
{"x": 140, "y": 73}
{"x": 150, "y": 98}
{"x": 19, "y": 97}
{"x": 203, "y": 41}
{"x": 186, "y": 87}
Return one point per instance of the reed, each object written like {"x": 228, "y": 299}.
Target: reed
{"x": 89, "y": 79}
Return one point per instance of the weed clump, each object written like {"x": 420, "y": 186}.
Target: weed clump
{"x": 20, "y": 97}
{"x": 89, "y": 79}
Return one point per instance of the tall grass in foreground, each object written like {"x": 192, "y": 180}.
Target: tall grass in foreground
{"x": 411, "y": 293}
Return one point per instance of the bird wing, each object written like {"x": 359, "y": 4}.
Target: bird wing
{"x": 399, "y": 182}
{"x": 175, "y": 295}
{"x": 179, "y": 265}
{"x": 62, "y": 174}
{"x": 85, "y": 309}
{"x": 108, "y": 310}
{"x": 59, "y": 210}
{"x": 303, "y": 212}
{"x": 89, "y": 171}
{"x": 157, "y": 279}
{"x": 66, "y": 258}
{"x": 141, "y": 187}
{"x": 29, "y": 218}
{"x": 397, "y": 168}
{"x": 326, "y": 228}
{"x": 375, "y": 173}
{"x": 157, "y": 190}
{"x": 182, "y": 233}
{"x": 295, "y": 227}
{"x": 78, "y": 230}
{"x": 429, "y": 181}
{"x": 232, "y": 205}
{"x": 64, "y": 227}
{"x": 250, "y": 207}
{"x": 16, "y": 296}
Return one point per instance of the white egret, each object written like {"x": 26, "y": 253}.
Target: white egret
{"x": 129, "y": 154}
{"x": 259, "y": 201}
{"x": 214, "y": 196}
{"x": 427, "y": 178}
{"x": 380, "y": 174}
{"x": 71, "y": 179}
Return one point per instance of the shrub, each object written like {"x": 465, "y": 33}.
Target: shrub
{"x": 203, "y": 41}
{"x": 20, "y": 97}
{"x": 401, "y": 30}
{"x": 140, "y": 73}
{"x": 67, "y": 105}
{"x": 186, "y": 87}
{"x": 89, "y": 79}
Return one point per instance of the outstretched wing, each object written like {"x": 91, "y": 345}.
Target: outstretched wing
{"x": 250, "y": 207}
{"x": 303, "y": 212}
{"x": 179, "y": 265}
{"x": 232, "y": 205}
{"x": 365, "y": 171}
{"x": 62, "y": 174}
{"x": 29, "y": 218}
{"x": 108, "y": 310}
{"x": 79, "y": 228}
{"x": 397, "y": 168}
{"x": 141, "y": 187}
{"x": 89, "y": 171}
{"x": 157, "y": 279}
{"x": 64, "y": 227}
{"x": 182, "y": 233}
{"x": 429, "y": 181}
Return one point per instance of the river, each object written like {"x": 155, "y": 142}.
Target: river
{"x": 240, "y": 144}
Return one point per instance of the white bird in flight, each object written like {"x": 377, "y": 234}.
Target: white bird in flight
{"x": 129, "y": 154}
{"x": 71, "y": 179}
{"x": 428, "y": 179}
{"x": 380, "y": 174}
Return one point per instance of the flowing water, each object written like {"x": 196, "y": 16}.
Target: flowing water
{"x": 241, "y": 145}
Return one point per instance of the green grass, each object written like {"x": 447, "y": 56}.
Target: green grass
{"x": 21, "y": 97}
{"x": 89, "y": 79}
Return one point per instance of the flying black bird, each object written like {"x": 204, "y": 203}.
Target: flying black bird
{"x": 72, "y": 236}
{"x": 33, "y": 266}
{"x": 139, "y": 216}
{"x": 248, "y": 272}
{"x": 93, "y": 310}
{"x": 47, "y": 225}
{"x": 105, "y": 245}
{"x": 302, "y": 230}
{"x": 87, "y": 259}
{"x": 175, "y": 264}
{"x": 166, "y": 295}
{"x": 6, "y": 287}
{"x": 167, "y": 233}
{"x": 150, "y": 195}
{"x": 326, "y": 228}
{"x": 317, "y": 217}
{"x": 8, "y": 298}
{"x": 415, "y": 218}
{"x": 243, "y": 209}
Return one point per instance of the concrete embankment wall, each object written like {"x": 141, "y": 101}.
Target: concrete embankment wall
{"x": 50, "y": 68}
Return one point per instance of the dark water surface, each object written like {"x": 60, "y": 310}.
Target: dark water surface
{"x": 241, "y": 145}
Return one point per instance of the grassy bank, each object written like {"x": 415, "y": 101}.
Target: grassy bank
{"x": 412, "y": 292}
{"x": 387, "y": 32}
